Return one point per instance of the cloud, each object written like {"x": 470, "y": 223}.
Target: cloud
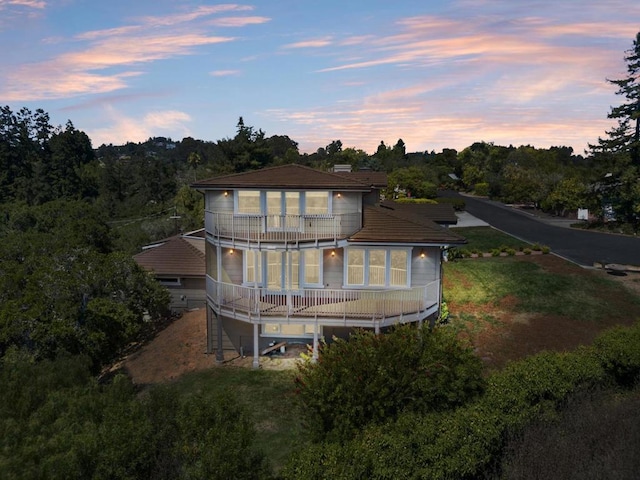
{"x": 314, "y": 43}
{"x": 23, "y": 3}
{"x": 110, "y": 56}
{"x": 224, "y": 73}
{"x": 239, "y": 21}
{"x": 124, "y": 128}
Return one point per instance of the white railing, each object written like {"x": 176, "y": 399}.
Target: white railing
{"x": 256, "y": 302}
{"x": 281, "y": 228}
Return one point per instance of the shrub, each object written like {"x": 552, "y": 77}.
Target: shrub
{"x": 496, "y": 252}
{"x": 373, "y": 378}
{"x": 619, "y": 351}
{"x": 527, "y": 251}
{"x": 510, "y": 251}
{"x": 544, "y": 249}
{"x": 481, "y": 189}
{"x": 465, "y": 442}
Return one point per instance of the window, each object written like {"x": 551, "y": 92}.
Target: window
{"x": 284, "y": 270}
{"x": 317, "y": 203}
{"x": 282, "y": 209}
{"x": 355, "y": 266}
{"x": 249, "y": 202}
{"x": 399, "y": 262}
{"x": 377, "y": 267}
{"x": 169, "y": 282}
{"x": 253, "y": 265}
{"x": 312, "y": 266}
{"x": 286, "y": 329}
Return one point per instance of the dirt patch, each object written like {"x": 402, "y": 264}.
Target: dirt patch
{"x": 178, "y": 349}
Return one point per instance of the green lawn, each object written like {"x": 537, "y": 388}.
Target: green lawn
{"x": 485, "y": 239}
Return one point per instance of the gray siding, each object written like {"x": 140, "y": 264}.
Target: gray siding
{"x": 232, "y": 266}
{"x": 425, "y": 270}
{"x": 216, "y": 201}
{"x": 348, "y": 202}
{"x": 333, "y": 269}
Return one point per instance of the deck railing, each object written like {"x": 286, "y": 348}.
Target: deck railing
{"x": 254, "y": 303}
{"x": 281, "y": 228}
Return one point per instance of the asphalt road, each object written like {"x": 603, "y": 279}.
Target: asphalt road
{"x": 582, "y": 247}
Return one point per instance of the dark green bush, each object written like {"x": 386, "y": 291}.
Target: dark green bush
{"x": 481, "y": 189}
{"x": 373, "y": 378}
{"x": 619, "y": 351}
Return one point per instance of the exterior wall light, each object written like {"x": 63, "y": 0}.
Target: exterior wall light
{"x": 422, "y": 254}
{"x": 333, "y": 253}
{"x": 226, "y": 193}
{"x": 339, "y": 194}
{"x": 231, "y": 251}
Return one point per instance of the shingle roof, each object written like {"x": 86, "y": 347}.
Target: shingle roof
{"x": 293, "y": 176}
{"x": 180, "y": 256}
{"x": 368, "y": 177}
{"x": 383, "y": 225}
{"x": 441, "y": 213}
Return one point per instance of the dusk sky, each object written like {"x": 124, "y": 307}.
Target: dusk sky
{"x": 438, "y": 74}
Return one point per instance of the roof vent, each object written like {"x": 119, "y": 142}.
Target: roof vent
{"x": 345, "y": 167}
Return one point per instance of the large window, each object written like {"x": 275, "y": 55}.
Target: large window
{"x": 277, "y": 202}
{"x": 283, "y": 270}
{"x": 253, "y": 267}
{"x": 355, "y": 266}
{"x": 249, "y": 202}
{"x": 316, "y": 203}
{"x": 377, "y": 267}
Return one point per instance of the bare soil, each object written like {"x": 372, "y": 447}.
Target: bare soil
{"x": 180, "y": 348}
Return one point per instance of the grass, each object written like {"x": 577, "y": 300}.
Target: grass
{"x": 573, "y": 295}
{"x": 485, "y": 239}
{"x": 268, "y": 395}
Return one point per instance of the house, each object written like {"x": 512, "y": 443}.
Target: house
{"x": 295, "y": 254}
{"x": 178, "y": 263}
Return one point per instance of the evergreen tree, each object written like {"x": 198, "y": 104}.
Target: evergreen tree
{"x": 625, "y": 137}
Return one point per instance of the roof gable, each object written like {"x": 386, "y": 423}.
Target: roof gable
{"x": 177, "y": 256}
{"x": 292, "y": 176}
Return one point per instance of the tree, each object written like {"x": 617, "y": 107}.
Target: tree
{"x": 620, "y": 151}
{"x": 625, "y": 137}
{"x": 370, "y": 379}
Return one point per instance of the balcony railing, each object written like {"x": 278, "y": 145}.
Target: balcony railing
{"x": 258, "y": 304}
{"x": 281, "y": 228}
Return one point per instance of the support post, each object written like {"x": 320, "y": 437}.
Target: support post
{"x": 315, "y": 343}
{"x": 209, "y": 350}
{"x": 220, "y": 349}
{"x": 256, "y": 347}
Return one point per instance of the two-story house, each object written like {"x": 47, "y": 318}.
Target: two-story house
{"x": 294, "y": 254}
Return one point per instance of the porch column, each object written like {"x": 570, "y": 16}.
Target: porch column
{"x": 314, "y": 357}
{"x": 219, "y": 350}
{"x": 376, "y": 327}
{"x": 256, "y": 353}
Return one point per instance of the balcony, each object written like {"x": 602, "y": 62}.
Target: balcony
{"x": 335, "y": 307}
{"x": 281, "y": 228}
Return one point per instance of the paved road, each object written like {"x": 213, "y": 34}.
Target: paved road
{"x": 579, "y": 246}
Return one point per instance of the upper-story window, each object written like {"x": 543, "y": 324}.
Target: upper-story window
{"x": 281, "y": 203}
{"x": 249, "y": 202}
{"x": 316, "y": 203}
{"x": 377, "y": 267}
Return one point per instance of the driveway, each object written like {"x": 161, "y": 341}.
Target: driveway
{"x": 582, "y": 247}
